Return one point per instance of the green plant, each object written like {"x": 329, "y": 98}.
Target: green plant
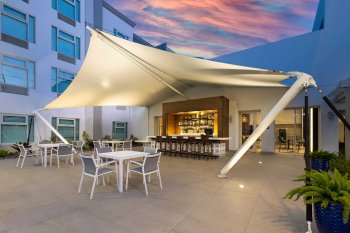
{"x": 133, "y": 139}
{"x": 340, "y": 163}
{"x": 106, "y": 138}
{"x": 4, "y": 153}
{"x": 324, "y": 188}
{"x": 16, "y": 147}
{"x": 322, "y": 154}
{"x": 88, "y": 143}
{"x": 54, "y": 138}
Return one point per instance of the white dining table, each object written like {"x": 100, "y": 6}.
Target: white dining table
{"x": 114, "y": 143}
{"x": 47, "y": 146}
{"x": 121, "y": 156}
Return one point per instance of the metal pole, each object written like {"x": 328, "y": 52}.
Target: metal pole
{"x": 303, "y": 80}
{"x": 307, "y": 156}
{"x": 30, "y": 129}
{"x": 50, "y": 126}
{"x": 335, "y": 110}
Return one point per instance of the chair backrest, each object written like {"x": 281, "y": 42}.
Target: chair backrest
{"x": 127, "y": 145}
{"x": 280, "y": 139}
{"x": 150, "y": 150}
{"x": 65, "y": 149}
{"x": 80, "y": 144}
{"x": 151, "y": 162}
{"x": 103, "y": 150}
{"x": 22, "y": 150}
{"x": 97, "y": 144}
{"x": 89, "y": 165}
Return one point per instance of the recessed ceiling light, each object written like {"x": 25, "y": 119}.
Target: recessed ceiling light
{"x": 260, "y": 162}
{"x": 241, "y": 186}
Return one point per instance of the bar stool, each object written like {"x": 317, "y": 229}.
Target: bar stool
{"x": 178, "y": 145}
{"x": 168, "y": 145}
{"x": 194, "y": 147}
{"x": 207, "y": 144}
{"x": 159, "y": 143}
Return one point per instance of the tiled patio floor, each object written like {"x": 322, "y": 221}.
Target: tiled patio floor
{"x": 45, "y": 200}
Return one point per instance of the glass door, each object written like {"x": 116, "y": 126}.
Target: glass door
{"x": 249, "y": 121}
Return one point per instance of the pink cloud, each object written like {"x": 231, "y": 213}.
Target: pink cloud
{"x": 215, "y": 27}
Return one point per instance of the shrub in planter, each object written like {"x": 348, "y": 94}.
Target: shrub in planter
{"x": 88, "y": 143}
{"x": 340, "y": 163}
{"x": 4, "y": 153}
{"x": 331, "y": 198}
{"x": 320, "y": 160}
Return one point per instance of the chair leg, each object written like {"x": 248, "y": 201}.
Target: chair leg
{"x": 93, "y": 187}
{"x": 58, "y": 161}
{"x": 160, "y": 180}
{"x": 72, "y": 160}
{"x": 19, "y": 158}
{"x": 145, "y": 183}
{"x": 127, "y": 176}
{"x": 103, "y": 180}
{"x": 50, "y": 160}
{"x": 81, "y": 182}
{"x": 24, "y": 157}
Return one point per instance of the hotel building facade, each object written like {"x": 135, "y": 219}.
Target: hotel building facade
{"x": 40, "y": 60}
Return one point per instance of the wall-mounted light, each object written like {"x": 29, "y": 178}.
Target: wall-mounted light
{"x": 244, "y": 118}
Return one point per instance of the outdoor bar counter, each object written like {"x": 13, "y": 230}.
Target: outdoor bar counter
{"x": 191, "y": 145}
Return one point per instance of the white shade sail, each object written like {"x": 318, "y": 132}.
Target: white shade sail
{"x": 119, "y": 72}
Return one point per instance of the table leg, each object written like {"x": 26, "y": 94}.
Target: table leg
{"x": 45, "y": 156}
{"x": 120, "y": 176}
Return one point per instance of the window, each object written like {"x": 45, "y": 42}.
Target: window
{"x": 120, "y": 130}
{"x": 60, "y": 80}
{"x": 68, "y": 8}
{"x": 17, "y": 72}
{"x": 15, "y": 128}
{"x": 16, "y": 25}
{"x": 65, "y": 43}
{"x": 68, "y": 128}
{"x": 119, "y": 34}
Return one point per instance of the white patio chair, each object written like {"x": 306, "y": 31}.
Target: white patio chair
{"x": 37, "y": 151}
{"x": 23, "y": 152}
{"x": 104, "y": 150}
{"x": 92, "y": 169}
{"x": 149, "y": 166}
{"x": 79, "y": 147}
{"x": 97, "y": 144}
{"x": 63, "y": 150}
{"x": 150, "y": 150}
{"x": 127, "y": 145}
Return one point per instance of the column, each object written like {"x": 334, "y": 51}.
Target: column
{"x": 347, "y": 117}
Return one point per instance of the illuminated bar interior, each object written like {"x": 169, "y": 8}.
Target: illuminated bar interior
{"x": 192, "y": 123}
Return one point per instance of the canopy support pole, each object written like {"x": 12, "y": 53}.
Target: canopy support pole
{"x": 50, "y": 126}
{"x": 304, "y": 80}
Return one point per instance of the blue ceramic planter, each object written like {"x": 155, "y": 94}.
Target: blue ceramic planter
{"x": 320, "y": 164}
{"x": 330, "y": 219}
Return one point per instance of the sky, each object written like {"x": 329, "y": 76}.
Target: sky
{"x": 210, "y": 28}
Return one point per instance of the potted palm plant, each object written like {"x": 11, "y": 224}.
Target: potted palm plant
{"x": 330, "y": 195}
{"x": 320, "y": 160}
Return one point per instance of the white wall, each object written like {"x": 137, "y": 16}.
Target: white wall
{"x": 110, "y": 114}
{"x": 139, "y": 122}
